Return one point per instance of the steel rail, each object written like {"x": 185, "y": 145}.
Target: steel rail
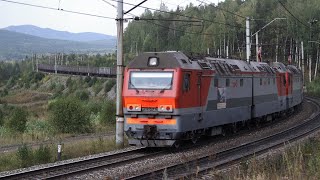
{"x": 82, "y": 166}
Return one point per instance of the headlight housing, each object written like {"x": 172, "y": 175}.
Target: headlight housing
{"x": 134, "y": 107}
{"x": 165, "y": 108}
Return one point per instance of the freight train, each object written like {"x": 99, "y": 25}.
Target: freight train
{"x": 78, "y": 70}
{"x": 169, "y": 97}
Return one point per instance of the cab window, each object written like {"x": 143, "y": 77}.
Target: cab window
{"x": 186, "y": 82}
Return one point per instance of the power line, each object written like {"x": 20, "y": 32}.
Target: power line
{"x": 58, "y": 9}
{"x": 153, "y": 19}
{"x": 289, "y": 5}
{"x": 292, "y": 14}
{"x": 135, "y": 7}
{"x": 181, "y": 15}
{"x": 116, "y": 7}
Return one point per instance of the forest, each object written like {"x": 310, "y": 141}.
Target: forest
{"x": 220, "y": 28}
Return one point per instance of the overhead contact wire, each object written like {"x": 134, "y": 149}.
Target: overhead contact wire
{"x": 57, "y": 9}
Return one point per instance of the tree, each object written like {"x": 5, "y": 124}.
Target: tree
{"x": 108, "y": 113}
{"x": 18, "y": 120}
{"x": 69, "y": 116}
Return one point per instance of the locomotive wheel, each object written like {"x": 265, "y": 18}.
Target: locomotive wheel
{"x": 176, "y": 145}
{"x": 257, "y": 123}
{"x": 224, "y": 132}
{"x": 234, "y": 128}
{"x": 194, "y": 140}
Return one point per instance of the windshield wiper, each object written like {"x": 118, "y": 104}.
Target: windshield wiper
{"x": 167, "y": 86}
{"x": 134, "y": 87}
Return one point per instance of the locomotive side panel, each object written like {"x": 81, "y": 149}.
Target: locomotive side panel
{"x": 229, "y": 100}
{"x": 297, "y": 92}
{"x": 265, "y": 96}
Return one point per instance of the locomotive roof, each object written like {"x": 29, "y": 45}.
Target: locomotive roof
{"x": 166, "y": 60}
{"x": 220, "y": 65}
{"x": 293, "y": 69}
{"x": 262, "y": 67}
{"x": 279, "y": 67}
{"x": 237, "y": 65}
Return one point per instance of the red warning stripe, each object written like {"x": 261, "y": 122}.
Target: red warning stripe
{"x": 151, "y": 121}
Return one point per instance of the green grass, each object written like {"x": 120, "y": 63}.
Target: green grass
{"x": 25, "y": 156}
{"x": 313, "y": 88}
{"x": 298, "y": 162}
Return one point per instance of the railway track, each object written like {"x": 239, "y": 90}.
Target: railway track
{"x": 219, "y": 160}
{"x": 83, "y": 166}
{"x": 189, "y": 169}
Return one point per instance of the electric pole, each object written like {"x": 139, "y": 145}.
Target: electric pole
{"x": 55, "y": 63}
{"x": 257, "y": 47}
{"x": 302, "y": 60}
{"x": 248, "y": 43}
{"x": 32, "y": 62}
{"x": 37, "y": 63}
{"x": 119, "y": 111}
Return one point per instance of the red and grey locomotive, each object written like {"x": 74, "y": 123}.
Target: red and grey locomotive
{"x": 168, "y": 97}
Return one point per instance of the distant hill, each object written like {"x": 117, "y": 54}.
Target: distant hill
{"x": 62, "y": 35}
{"x": 15, "y": 45}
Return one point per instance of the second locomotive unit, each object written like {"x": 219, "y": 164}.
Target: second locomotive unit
{"x": 168, "y": 97}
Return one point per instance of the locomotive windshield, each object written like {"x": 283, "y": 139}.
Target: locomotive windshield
{"x": 150, "y": 80}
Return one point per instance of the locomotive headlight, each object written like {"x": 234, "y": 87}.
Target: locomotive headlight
{"x": 165, "y": 108}
{"x": 153, "y": 61}
{"x": 134, "y": 107}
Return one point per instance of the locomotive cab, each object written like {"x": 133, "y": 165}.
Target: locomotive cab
{"x": 150, "y": 100}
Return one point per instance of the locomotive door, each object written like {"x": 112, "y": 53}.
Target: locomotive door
{"x": 282, "y": 89}
{"x": 289, "y": 87}
{"x": 199, "y": 75}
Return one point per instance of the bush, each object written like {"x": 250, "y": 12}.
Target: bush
{"x": 28, "y": 157}
{"x": 37, "y": 76}
{"x": 92, "y": 81}
{"x": 3, "y": 92}
{"x": 1, "y": 118}
{"x": 52, "y": 86}
{"x": 42, "y": 155}
{"x": 25, "y": 155}
{"x": 17, "y": 121}
{"x": 108, "y": 113}
{"x": 82, "y": 95}
{"x": 109, "y": 85}
{"x": 59, "y": 88}
{"x": 69, "y": 82}
{"x": 69, "y": 116}
{"x": 313, "y": 88}
{"x": 38, "y": 128}
{"x": 11, "y": 82}
{"x": 94, "y": 107}
{"x": 87, "y": 79}
{"x": 97, "y": 88}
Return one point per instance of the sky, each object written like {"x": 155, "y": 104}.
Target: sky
{"x": 15, "y": 14}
